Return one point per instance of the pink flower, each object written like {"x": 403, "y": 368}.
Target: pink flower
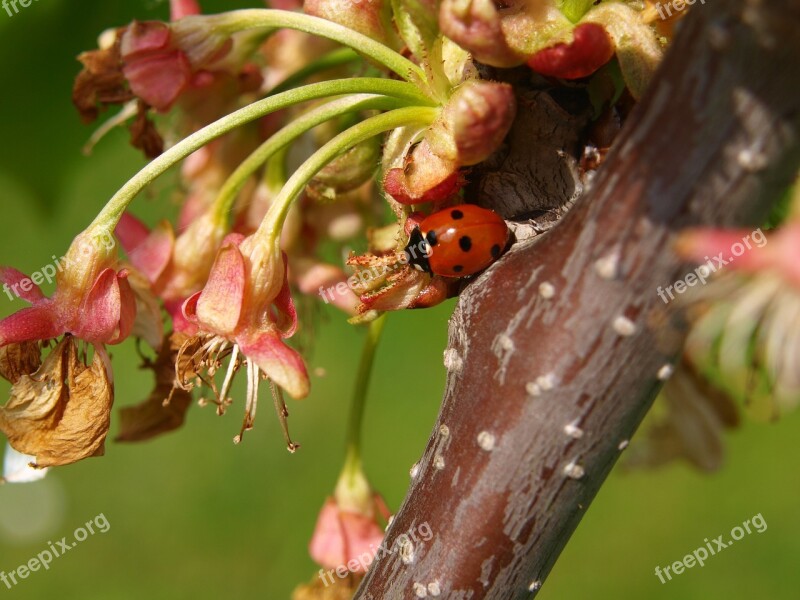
{"x": 176, "y": 267}
{"x": 93, "y": 301}
{"x": 346, "y": 538}
{"x": 244, "y": 309}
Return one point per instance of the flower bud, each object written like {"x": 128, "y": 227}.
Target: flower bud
{"x": 476, "y": 25}
{"x": 589, "y": 50}
{"x": 349, "y": 171}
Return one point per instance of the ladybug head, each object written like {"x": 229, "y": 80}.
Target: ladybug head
{"x": 418, "y": 250}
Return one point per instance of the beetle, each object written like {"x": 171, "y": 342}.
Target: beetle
{"x": 457, "y": 241}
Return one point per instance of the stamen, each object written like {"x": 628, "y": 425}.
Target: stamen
{"x": 252, "y": 400}
{"x": 283, "y": 413}
{"x": 233, "y": 366}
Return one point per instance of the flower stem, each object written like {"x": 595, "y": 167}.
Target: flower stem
{"x": 238, "y": 20}
{"x": 112, "y": 212}
{"x": 289, "y": 133}
{"x": 352, "y": 463}
{"x": 336, "y": 58}
{"x": 271, "y": 226}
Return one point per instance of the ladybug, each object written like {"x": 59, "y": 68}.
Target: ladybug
{"x": 457, "y": 241}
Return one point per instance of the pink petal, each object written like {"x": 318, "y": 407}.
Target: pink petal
{"x": 131, "y": 232}
{"x": 189, "y": 308}
{"x": 175, "y": 308}
{"x": 159, "y": 80}
{"x": 341, "y": 537}
{"x": 127, "y": 313}
{"x": 282, "y": 364}
{"x": 152, "y": 256}
{"x": 183, "y": 8}
{"x": 287, "y": 314}
{"x": 105, "y": 312}
{"x": 220, "y": 305}
{"x": 143, "y": 38}
{"x": 40, "y": 322}
{"x": 10, "y": 277}
{"x": 327, "y": 543}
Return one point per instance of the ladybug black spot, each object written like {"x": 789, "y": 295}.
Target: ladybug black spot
{"x": 458, "y": 269}
{"x": 457, "y": 215}
{"x": 496, "y": 251}
{"x": 465, "y": 243}
{"x": 431, "y": 237}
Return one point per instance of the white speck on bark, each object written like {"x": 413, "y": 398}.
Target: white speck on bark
{"x": 444, "y": 431}
{"x": 547, "y": 290}
{"x": 414, "y": 470}
{"x": 624, "y": 326}
{"x": 505, "y": 342}
{"x": 438, "y": 462}
{"x": 623, "y": 444}
{"x": 420, "y": 591}
{"x": 573, "y": 431}
{"x": 665, "y": 372}
{"x": 434, "y": 589}
{"x": 486, "y": 441}
{"x": 535, "y": 586}
{"x": 574, "y": 471}
{"x": 406, "y": 550}
{"x": 608, "y": 266}
{"x": 452, "y": 361}
{"x": 752, "y": 160}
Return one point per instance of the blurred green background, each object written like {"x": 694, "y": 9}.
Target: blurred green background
{"x": 193, "y": 516}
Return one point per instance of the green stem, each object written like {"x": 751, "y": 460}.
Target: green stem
{"x": 238, "y": 20}
{"x": 352, "y": 464}
{"x": 334, "y": 59}
{"x": 271, "y": 226}
{"x": 289, "y": 133}
{"x": 112, "y": 212}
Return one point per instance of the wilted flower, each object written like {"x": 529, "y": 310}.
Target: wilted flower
{"x": 165, "y": 408}
{"x": 60, "y": 413}
{"x": 687, "y": 421}
{"x": 59, "y": 410}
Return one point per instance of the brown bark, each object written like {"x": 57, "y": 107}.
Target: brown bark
{"x": 549, "y": 337}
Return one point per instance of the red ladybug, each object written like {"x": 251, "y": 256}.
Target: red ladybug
{"x": 457, "y": 241}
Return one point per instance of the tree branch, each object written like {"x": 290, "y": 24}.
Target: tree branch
{"x": 555, "y": 353}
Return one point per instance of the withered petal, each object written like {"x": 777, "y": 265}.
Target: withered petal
{"x": 165, "y": 408}
{"x": 17, "y": 360}
{"x": 61, "y": 414}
